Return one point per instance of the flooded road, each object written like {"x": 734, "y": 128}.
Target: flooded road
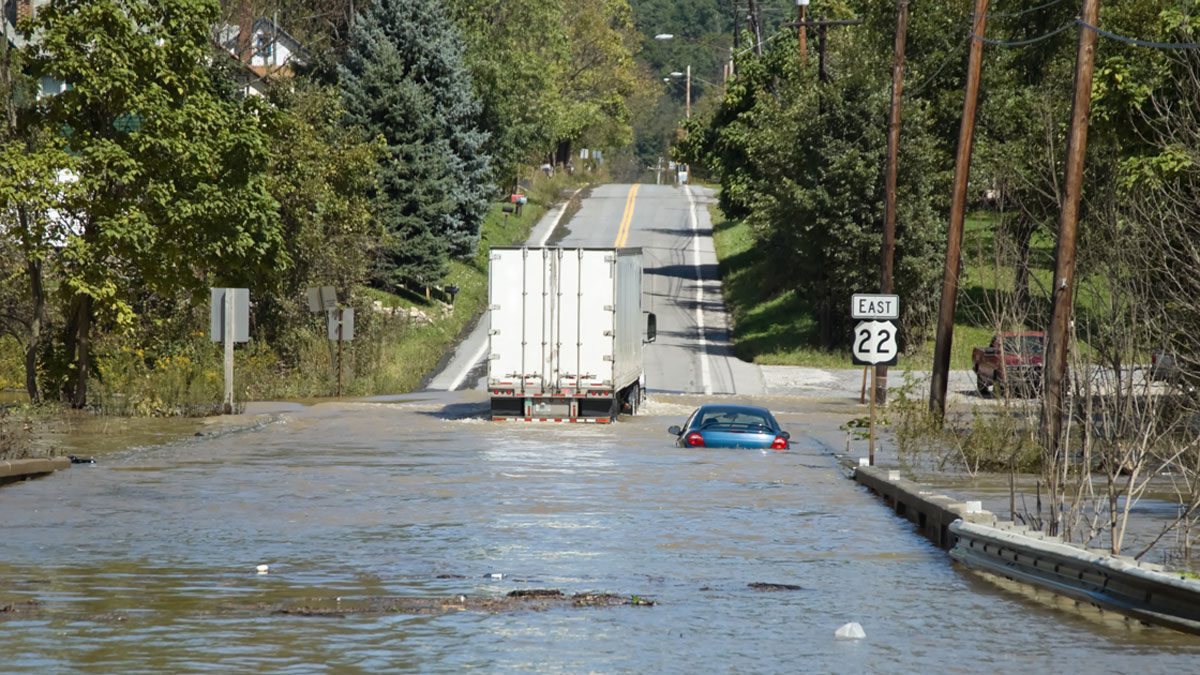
{"x": 375, "y": 517}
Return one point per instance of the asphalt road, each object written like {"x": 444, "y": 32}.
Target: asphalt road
{"x": 693, "y": 353}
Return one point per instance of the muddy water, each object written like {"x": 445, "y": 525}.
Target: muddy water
{"x": 375, "y": 517}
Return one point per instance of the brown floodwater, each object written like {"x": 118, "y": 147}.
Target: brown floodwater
{"x": 394, "y": 531}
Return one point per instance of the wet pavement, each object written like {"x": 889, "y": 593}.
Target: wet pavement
{"x": 395, "y": 530}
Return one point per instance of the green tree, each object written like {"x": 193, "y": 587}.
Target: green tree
{"x": 403, "y": 80}
{"x": 321, "y": 174}
{"x": 599, "y": 77}
{"x": 514, "y": 50}
{"x": 171, "y": 192}
{"x": 802, "y": 161}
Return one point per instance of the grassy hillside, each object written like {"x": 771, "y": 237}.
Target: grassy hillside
{"x": 780, "y": 329}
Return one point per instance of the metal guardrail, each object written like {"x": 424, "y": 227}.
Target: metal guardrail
{"x": 1121, "y": 584}
{"x": 982, "y": 542}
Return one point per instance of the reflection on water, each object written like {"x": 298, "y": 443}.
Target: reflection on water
{"x": 146, "y": 561}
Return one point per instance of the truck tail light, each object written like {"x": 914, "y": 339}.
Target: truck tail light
{"x": 695, "y": 440}
{"x": 780, "y": 443}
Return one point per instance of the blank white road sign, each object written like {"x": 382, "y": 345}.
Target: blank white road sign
{"x": 874, "y": 306}
{"x": 240, "y": 318}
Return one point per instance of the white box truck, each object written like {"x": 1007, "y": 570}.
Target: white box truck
{"x": 566, "y": 333}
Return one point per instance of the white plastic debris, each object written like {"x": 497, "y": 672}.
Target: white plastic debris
{"x": 850, "y": 631}
{"x": 263, "y": 569}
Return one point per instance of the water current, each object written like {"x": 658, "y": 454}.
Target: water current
{"x": 385, "y": 525}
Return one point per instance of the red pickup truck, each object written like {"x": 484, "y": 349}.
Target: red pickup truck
{"x": 1013, "y": 362}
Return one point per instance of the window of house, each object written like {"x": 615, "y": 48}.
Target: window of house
{"x": 265, "y": 46}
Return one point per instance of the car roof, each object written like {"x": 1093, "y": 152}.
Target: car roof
{"x": 725, "y": 407}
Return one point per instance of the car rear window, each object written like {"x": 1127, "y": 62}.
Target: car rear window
{"x": 734, "y": 418}
{"x": 1026, "y": 344}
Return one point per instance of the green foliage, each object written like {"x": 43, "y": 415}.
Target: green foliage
{"x": 176, "y": 202}
{"x": 802, "y": 161}
{"x": 184, "y": 190}
{"x": 404, "y": 81}
{"x": 515, "y": 50}
{"x": 131, "y": 383}
{"x": 321, "y": 173}
{"x": 983, "y": 441}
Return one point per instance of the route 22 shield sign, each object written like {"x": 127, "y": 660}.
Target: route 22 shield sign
{"x": 875, "y": 343}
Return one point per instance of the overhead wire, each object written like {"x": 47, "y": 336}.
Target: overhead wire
{"x": 1139, "y": 43}
{"x": 1077, "y": 21}
{"x": 1022, "y": 43}
{"x": 1010, "y": 15}
{"x": 928, "y": 80}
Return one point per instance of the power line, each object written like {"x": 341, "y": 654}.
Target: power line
{"x": 1023, "y": 43}
{"x": 1011, "y": 15}
{"x": 954, "y": 55}
{"x": 1140, "y": 43}
{"x": 1100, "y": 31}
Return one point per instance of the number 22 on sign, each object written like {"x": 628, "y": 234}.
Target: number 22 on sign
{"x": 875, "y": 343}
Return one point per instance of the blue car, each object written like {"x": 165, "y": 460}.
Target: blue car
{"x": 731, "y": 426}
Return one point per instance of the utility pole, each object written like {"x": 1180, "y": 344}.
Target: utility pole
{"x": 821, "y": 49}
{"x": 958, "y": 205}
{"x": 755, "y": 26}
{"x": 1064, "y": 251}
{"x": 737, "y": 31}
{"x": 802, "y": 30}
{"x": 821, "y": 24}
{"x": 889, "y": 203}
{"x": 689, "y": 91}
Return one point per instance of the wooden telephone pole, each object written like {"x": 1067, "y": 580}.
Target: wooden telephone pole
{"x": 888, "y": 252}
{"x": 1063, "y": 292}
{"x": 801, "y": 30}
{"x": 821, "y": 24}
{"x": 958, "y": 206}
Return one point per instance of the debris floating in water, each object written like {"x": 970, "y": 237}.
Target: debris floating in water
{"x": 850, "y": 631}
{"x": 263, "y": 569}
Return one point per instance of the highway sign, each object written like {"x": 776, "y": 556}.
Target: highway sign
{"x": 874, "y": 306}
{"x": 875, "y": 343}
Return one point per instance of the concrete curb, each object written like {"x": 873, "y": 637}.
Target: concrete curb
{"x": 978, "y": 540}
{"x": 22, "y": 469}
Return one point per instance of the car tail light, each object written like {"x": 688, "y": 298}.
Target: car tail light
{"x": 780, "y": 443}
{"x": 695, "y": 440}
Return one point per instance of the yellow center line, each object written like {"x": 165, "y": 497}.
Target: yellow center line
{"x": 627, "y": 217}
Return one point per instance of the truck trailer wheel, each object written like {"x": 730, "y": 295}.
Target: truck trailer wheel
{"x": 633, "y": 399}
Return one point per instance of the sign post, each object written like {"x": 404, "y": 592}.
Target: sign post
{"x": 341, "y": 328}
{"x": 874, "y": 340}
{"x": 229, "y": 322}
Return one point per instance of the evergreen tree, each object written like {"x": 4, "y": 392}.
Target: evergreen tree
{"x": 403, "y": 80}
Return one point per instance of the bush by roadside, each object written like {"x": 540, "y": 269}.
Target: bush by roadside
{"x": 399, "y": 338}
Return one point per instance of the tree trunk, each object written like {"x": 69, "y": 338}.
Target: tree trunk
{"x": 562, "y": 155}
{"x": 83, "y": 329}
{"x": 37, "y": 294}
